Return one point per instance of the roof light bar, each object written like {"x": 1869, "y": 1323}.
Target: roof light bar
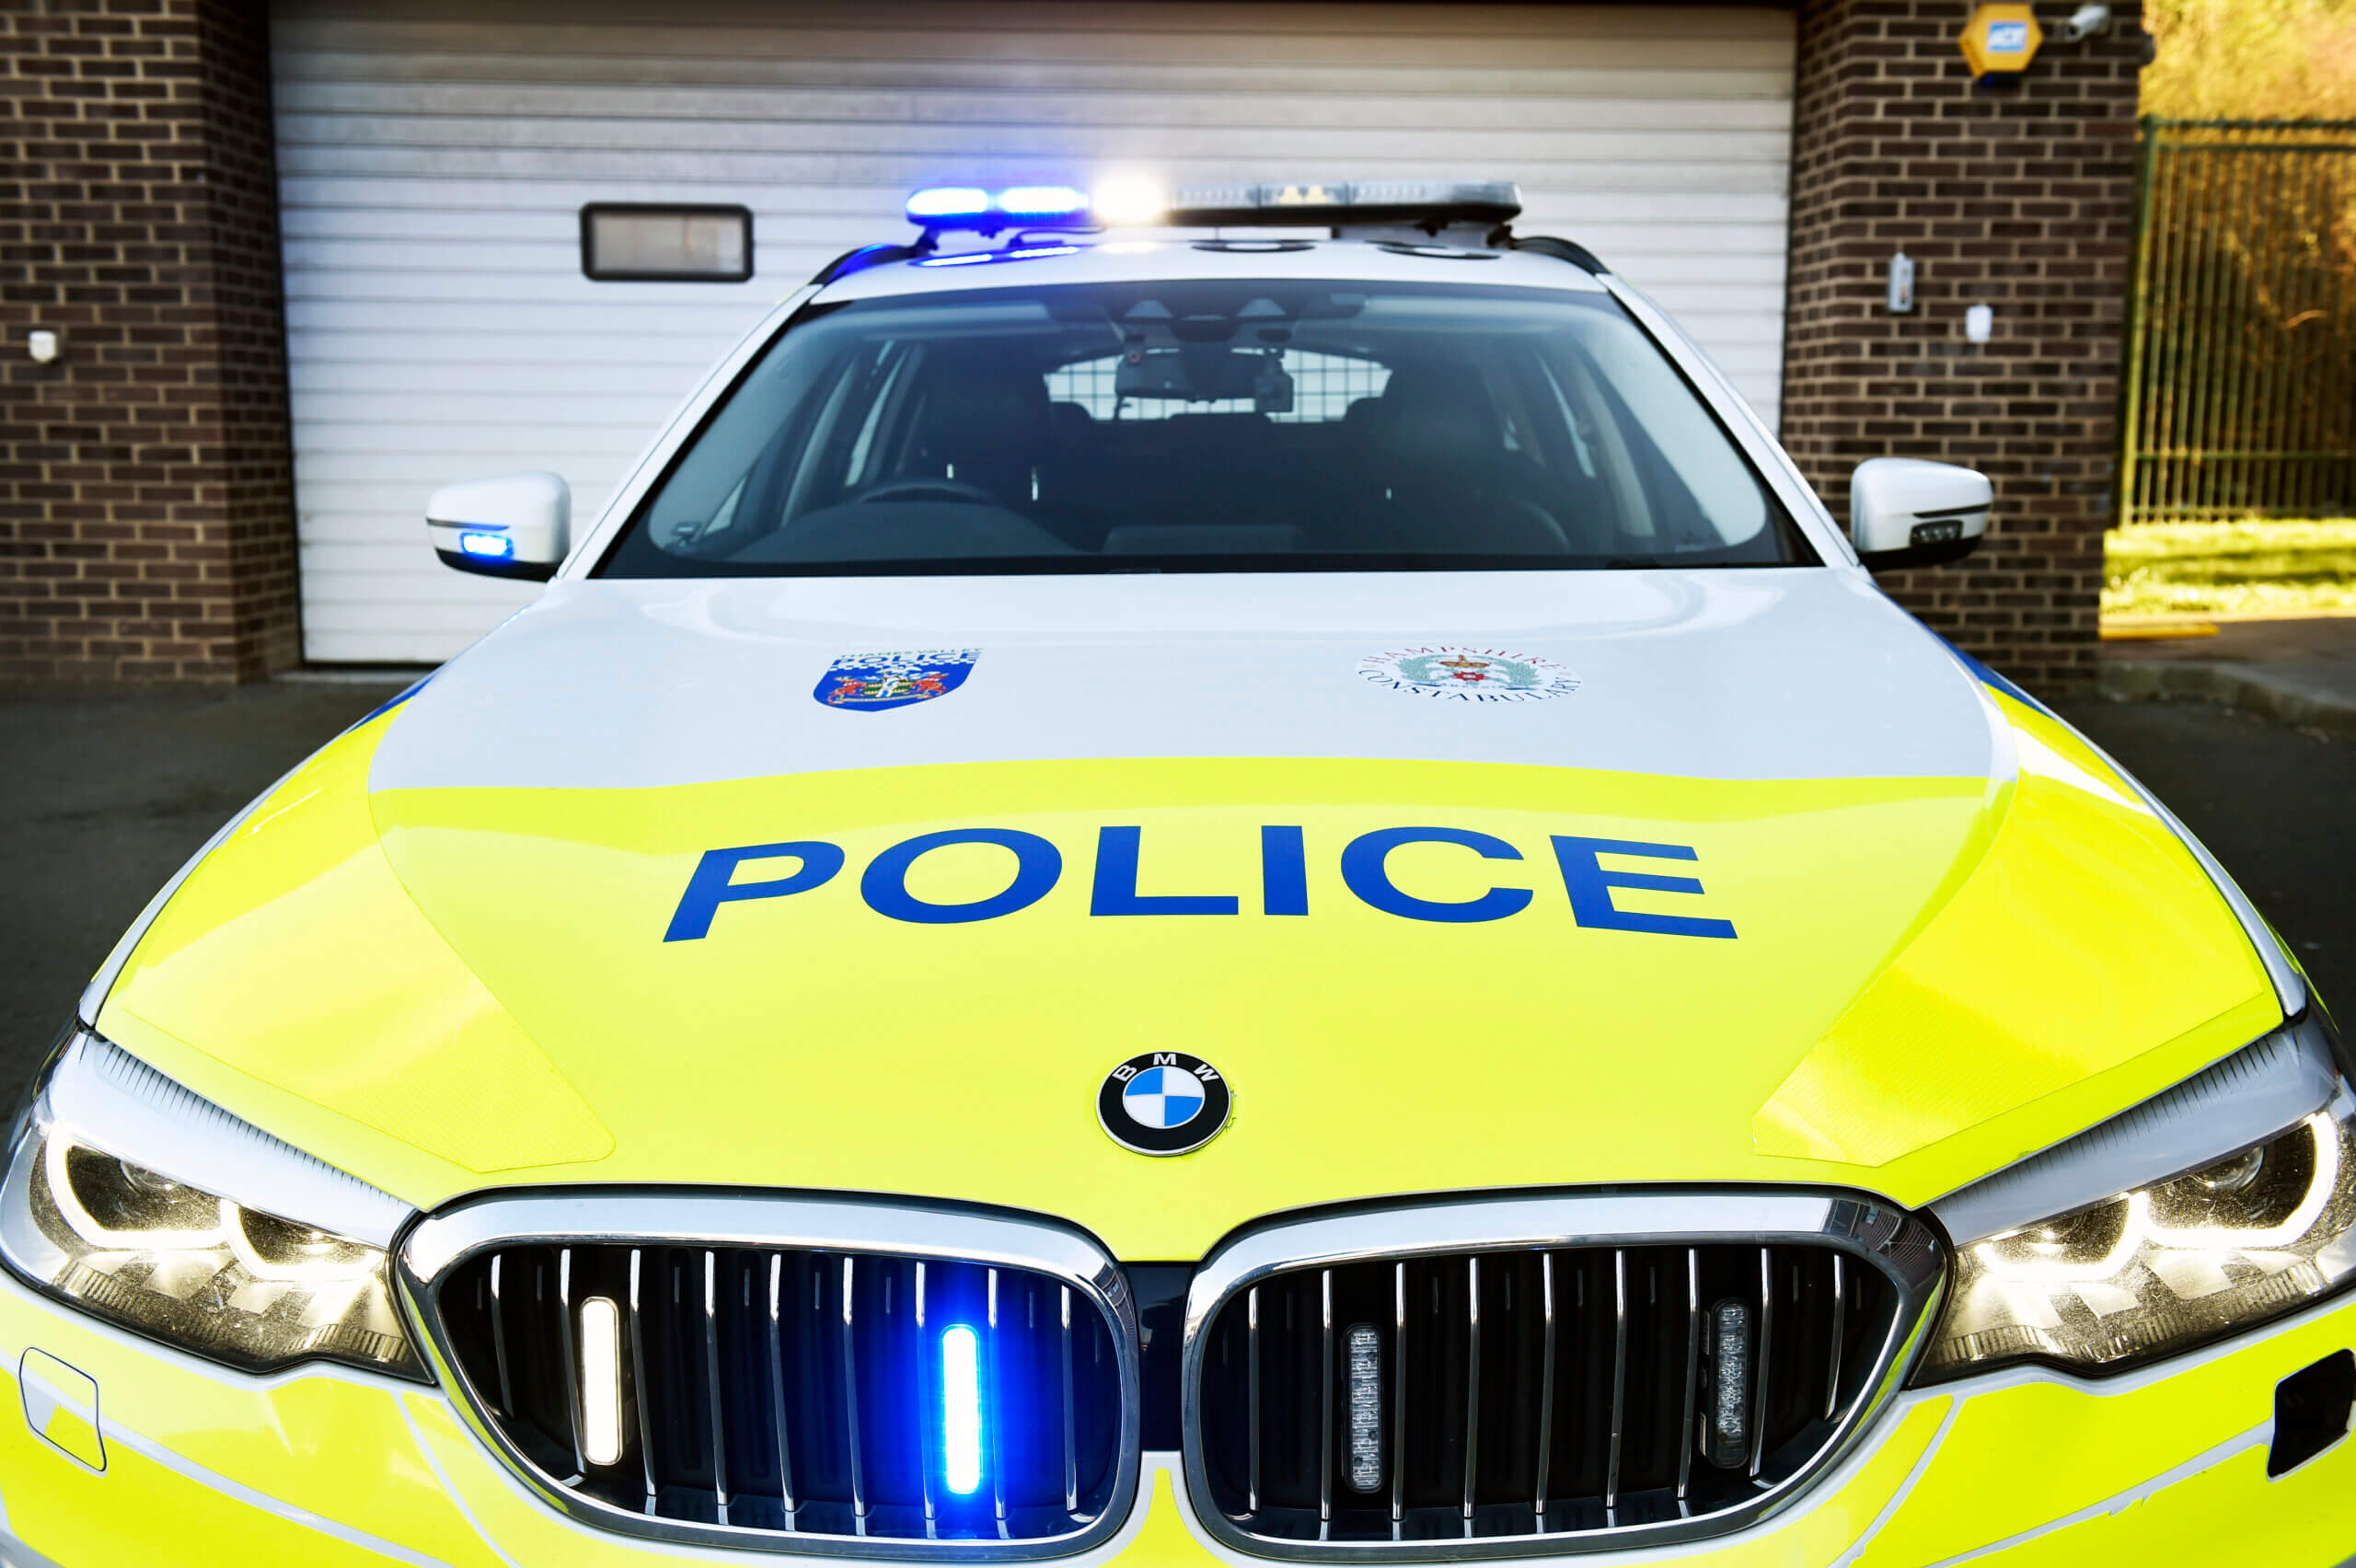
{"x": 1308, "y": 205}
{"x": 1042, "y": 201}
{"x": 937, "y": 207}
{"x": 1132, "y": 203}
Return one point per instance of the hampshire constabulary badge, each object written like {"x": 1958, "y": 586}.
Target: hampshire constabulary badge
{"x": 1469, "y": 674}
{"x": 868, "y": 683}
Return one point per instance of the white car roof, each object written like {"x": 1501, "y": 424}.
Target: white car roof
{"x": 1050, "y": 257}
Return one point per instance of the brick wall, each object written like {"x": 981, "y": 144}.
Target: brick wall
{"x": 146, "y": 495}
{"x": 2023, "y": 202}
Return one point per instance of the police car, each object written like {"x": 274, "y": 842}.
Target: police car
{"x": 1234, "y": 876}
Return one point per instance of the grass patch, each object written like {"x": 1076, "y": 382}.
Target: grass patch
{"x": 2227, "y": 569}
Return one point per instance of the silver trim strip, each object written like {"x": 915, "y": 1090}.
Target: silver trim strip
{"x": 710, "y": 1221}
{"x": 2248, "y": 1097}
{"x": 1900, "y": 1247}
{"x": 103, "y": 1095}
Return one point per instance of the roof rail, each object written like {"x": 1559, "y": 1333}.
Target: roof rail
{"x": 1562, "y": 251}
{"x": 868, "y": 256}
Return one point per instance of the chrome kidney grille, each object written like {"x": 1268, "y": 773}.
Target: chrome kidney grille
{"x": 798, "y": 1397}
{"x": 1484, "y": 1399}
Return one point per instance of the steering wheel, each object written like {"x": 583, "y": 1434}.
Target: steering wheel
{"x": 923, "y": 485}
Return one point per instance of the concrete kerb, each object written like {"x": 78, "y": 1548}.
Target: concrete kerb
{"x": 2244, "y": 687}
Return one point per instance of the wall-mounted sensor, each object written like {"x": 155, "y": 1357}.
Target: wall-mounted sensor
{"x": 1901, "y": 284}
{"x": 1980, "y": 323}
{"x": 41, "y": 344}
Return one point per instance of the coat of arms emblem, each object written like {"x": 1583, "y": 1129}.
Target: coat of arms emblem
{"x": 869, "y": 682}
{"x": 1469, "y": 674}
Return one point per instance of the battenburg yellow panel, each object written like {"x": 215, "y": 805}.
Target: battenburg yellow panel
{"x": 2087, "y": 938}
{"x": 294, "y": 954}
{"x": 1895, "y": 983}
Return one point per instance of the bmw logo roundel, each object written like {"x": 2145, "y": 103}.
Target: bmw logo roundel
{"x": 1163, "y": 1102}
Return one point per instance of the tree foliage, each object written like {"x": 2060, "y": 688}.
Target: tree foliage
{"x": 2252, "y": 58}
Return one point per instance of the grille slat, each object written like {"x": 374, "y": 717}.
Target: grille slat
{"x": 1840, "y": 1308}
{"x": 1252, "y": 1311}
{"x": 499, "y": 1342}
{"x": 637, "y": 1378}
{"x": 1325, "y": 1398}
{"x": 1545, "y": 1383}
{"x": 851, "y": 1398}
{"x": 923, "y": 1433}
{"x": 1472, "y": 1384}
{"x": 1072, "y": 1433}
{"x": 1692, "y": 1372}
{"x": 717, "y": 1400}
{"x": 1533, "y": 1391}
{"x": 798, "y": 1392}
{"x": 1619, "y": 1377}
{"x": 1398, "y": 1399}
{"x": 1763, "y": 1364}
{"x": 777, "y": 1384}
{"x": 997, "y": 1467}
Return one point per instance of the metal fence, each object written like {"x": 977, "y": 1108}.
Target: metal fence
{"x": 2240, "y": 392}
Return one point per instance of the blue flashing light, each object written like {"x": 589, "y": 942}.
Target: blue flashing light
{"x": 1029, "y": 251}
{"x": 963, "y": 259}
{"x": 488, "y": 544}
{"x": 947, "y": 201}
{"x": 1042, "y": 201}
{"x": 961, "y": 1411}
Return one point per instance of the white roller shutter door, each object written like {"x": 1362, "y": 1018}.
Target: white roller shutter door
{"x": 433, "y": 158}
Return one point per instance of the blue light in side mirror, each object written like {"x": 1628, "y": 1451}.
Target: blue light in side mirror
{"x": 961, "y": 1411}
{"x": 491, "y": 545}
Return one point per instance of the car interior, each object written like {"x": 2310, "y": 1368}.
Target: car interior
{"x": 1142, "y": 433}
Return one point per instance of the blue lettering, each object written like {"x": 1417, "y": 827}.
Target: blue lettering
{"x": 1284, "y": 872}
{"x": 710, "y": 885}
{"x": 1365, "y": 869}
{"x": 1115, "y": 892}
{"x": 884, "y": 885}
{"x": 1591, "y": 886}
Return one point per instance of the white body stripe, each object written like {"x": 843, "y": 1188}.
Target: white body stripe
{"x": 1794, "y": 672}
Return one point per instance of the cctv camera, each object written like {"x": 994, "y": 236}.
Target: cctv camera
{"x": 2084, "y": 22}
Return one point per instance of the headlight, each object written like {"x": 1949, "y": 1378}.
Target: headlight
{"x": 116, "y": 1201}
{"x": 2163, "y": 1266}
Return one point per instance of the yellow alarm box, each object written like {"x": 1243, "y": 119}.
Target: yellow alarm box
{"x": 1999, "y": 42}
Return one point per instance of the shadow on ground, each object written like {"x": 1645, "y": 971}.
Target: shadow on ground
{"x": 103, "y": 795}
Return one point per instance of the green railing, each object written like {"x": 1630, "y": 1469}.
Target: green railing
{"x": 2240, "y": 393}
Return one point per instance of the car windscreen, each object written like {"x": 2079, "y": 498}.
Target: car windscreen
{"x": 1207, "y": 426}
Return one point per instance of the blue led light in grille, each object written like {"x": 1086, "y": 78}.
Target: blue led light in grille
{"x": 961, "y": 1411}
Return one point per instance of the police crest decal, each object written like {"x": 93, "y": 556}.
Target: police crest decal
{"x": 1469, "y": 674}
{"x": 869, "y": 682}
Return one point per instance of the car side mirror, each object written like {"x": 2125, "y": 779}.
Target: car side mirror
{"x": 1905, "y": 512}
{"x": 519, "y": 526}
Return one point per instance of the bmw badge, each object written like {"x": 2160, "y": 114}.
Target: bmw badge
{"x": 1163, "y": 1102}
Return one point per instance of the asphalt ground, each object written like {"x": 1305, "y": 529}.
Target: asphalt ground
{"x": 104, "y": 793}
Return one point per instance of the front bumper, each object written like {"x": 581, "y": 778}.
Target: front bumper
{"x": 323, "y": 1467}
